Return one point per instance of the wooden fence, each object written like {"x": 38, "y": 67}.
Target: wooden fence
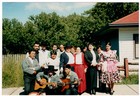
{"x": 13, "y": 57}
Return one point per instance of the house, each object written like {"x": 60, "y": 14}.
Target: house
{"x": 123, "y": 35}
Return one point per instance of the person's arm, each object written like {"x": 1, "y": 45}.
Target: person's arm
{"x": 61, "y": 63}
{"x": 39, "y": 76}
{"x": 26, "y": 68}
{"x": 83, "y": 61}
{"x": 86, "y": 58}
{"x": 37, "y": 66}
{"x": 76, "y": 79}
{"x": 55, "y": 81}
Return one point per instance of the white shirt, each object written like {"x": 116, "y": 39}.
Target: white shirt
{"x": 94, "y": 57}
{"x": 43, "y": 56}
{"x": 71, "y": 58}
{"x": 79, "y": 58}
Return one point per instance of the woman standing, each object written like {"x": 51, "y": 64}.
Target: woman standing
{"x": 110, "y": 74}
{"x": 79, "y": 68}
{"x": 91, "y": 74}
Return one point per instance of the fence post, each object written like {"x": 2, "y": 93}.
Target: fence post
{"x": 126, "y": 73}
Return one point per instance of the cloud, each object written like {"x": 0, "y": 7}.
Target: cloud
{"x": 86, "y": 4}
{"x": 58, "y": 6}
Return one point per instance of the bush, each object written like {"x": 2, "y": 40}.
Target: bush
{"x": 12, "y": 74}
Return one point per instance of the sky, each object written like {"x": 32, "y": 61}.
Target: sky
{"x": 22, "y": 10}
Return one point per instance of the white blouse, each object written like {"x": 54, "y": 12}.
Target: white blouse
{"x": 71, "y": 58}
{"x": 94, "y": 57}
{"x": 55, "y": 62}
{"x": 79, "y": 58}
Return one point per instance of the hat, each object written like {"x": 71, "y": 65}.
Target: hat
{"x": 51, "y": 68}
{"x": 68, "y": 46}
{"x": 67, "y": 66}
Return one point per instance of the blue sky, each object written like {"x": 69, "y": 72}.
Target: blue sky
{"x": 22, "y": 10}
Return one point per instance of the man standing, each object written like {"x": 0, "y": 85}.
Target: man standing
{"x": 36, "y": 48}
{"x": 66, "y": 58}
{"x": 44, "y": 54}
{"x": 30, "y": 68}
{"x": 61, "y": 50}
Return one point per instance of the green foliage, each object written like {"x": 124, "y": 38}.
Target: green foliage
{"x": 132, "y": 79}
{"x": 12, "y": 74}
{"x": 51, "y": 28}
{"x": 104, "y": 13}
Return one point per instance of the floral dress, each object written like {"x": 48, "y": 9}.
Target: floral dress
{"x": 110, "y": 72}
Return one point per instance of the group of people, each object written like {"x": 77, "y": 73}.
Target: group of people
{"x": 70, "y": 70}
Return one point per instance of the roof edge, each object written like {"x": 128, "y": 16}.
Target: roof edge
{"x": 124, "y": 25}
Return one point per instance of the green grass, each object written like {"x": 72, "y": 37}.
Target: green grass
{"x": 12, "y": 74}
{"x": 132, "y": 79}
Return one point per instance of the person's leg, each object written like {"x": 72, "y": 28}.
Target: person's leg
{"x": 74, "y": 91}
{"x": 88, "y": 81}
{"x": 47, "y": 90}
{"x": 32, "y": 85}
{"x": 109, "y": 87}
{"x": 93, "y": 80}
{"x": 68, "y": 92}
{"x": 103, "y": 85}
{"x": 112, "y": 86}
{"x": 27, "y": 85}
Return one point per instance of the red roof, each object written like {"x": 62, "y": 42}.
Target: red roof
{"x": 131, "y": 18}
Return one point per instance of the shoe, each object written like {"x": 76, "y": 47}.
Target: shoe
{"x": 111, "y": 92}
{"x": 94, "y": 92}
{"x": 90, "y": 92}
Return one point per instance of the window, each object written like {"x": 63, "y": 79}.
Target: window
{"x": 136, "y": 46}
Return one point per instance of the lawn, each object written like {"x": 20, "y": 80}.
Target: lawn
{"x": 132, "y": 79}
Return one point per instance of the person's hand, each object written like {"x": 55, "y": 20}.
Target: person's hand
{"x": 85, "y": 70}
{"x": 93, "y": 65}
{"x": 32, "y": 68}
{"x": 43, "y": 66}
{"x": 34, "y": 72}
{"x": 41, "y": 82}
{"x": 54, "y": 85}
{"x": 61, "y": 70}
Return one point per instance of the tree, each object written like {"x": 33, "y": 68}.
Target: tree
{"x": 104, "y": 13}
{"x": 11, "y": 35}
{"x": 51, "y": 28}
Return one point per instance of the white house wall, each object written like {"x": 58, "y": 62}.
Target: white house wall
{"x": 126, "y": 43}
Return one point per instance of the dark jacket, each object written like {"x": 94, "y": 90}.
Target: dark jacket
{"x": 88, "y": 57}
{"x": 63, "y": 59}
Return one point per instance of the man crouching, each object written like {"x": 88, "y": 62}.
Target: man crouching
{"x": 70, "y": 81}
{"x": 52, "y": 79}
